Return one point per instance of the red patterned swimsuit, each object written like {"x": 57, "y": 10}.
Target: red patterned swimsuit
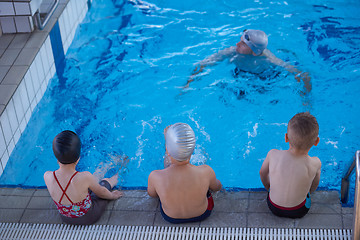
{"x": 74, "y": 210}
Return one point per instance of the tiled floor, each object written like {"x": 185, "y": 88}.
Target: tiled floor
{"x": 232, "y": 209}
{"x": 17, "y": 51}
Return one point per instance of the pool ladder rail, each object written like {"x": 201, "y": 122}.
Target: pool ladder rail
{"x": 345, "y": 193}
{"x": 42, "y": 19}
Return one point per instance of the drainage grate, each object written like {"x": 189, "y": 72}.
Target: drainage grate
{"x": 62, "y": 231}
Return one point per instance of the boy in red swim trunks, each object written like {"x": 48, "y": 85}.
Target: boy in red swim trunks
{"x": 290, "y": 175}
{"x": 183, "y": 188}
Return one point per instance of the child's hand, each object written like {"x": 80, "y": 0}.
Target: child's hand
{"x": 117, "y": 194}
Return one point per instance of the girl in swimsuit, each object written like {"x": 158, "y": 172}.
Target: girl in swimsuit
{"x": 69, "y": 188}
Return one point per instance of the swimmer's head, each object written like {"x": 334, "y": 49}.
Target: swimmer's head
{"x": 180, "y": 141}
{"x": 66, "y": 147}
{"x": 257, "y": 40}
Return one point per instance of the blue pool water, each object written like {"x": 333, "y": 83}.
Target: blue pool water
{"x": 121, "y": 85}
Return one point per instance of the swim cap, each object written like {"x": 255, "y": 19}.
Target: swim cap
{"x": 180, "y": 141}
{"x": 257, "y": 40}
{"x": 66, "y": 147}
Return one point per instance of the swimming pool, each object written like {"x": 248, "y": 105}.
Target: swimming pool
{"x": 122, "y": 78}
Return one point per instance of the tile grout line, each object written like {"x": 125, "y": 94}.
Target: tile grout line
{"x": 24, "y": 210}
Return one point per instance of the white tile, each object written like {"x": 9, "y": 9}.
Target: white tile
{"x": 83, "y": 14}
{"x": 28, "y": 115}
{"x": 35, "y": 79}
{"x": 11, "y": 147}
{"x": 6, "y": 9}
{"x": 24, "y": 96}
{"x": 10, "y": 109}
{"x": 39, "y": 95}
{"x": 7, "y": 24}
{"x": 44, "y": 58}
{"x": 71, "y": 37}
{"x": 62, "y": 27}
{"x": 17, "y": 136}
{"x": 49, "y": 52}
{"x": 29, "y": 85}
{"x": 19, "y": 110}
{"x": 47, "y": 79}
{"x": 33, "y": 104}
{"x": 68, "y": 24}
{"x": 23, "y": 24}
{"x": 73, "y": 12}
{"x": 77, "y": 9}
{"x": 2, "y": 142}
{"x": 5, "y": 125}
{"x": 23, "y": 125}
{"x": 52, "y": 70}
{"x": 34, "y": 6}
{"x": 40, "y": 68}
{"x": 66, "y": 46}
{"x": 43, "y": 87}
{"x": 22, "y": 8}
{"x": 5, "y": 159}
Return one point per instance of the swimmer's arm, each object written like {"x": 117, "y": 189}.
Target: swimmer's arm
{"x": 218, "y": 57}
{"x": 210, "y": 61}
{"x": 299, "y": 75}
{"x": 151, "y": 188}
{"x": 264, "y": 172}
{"x": 316, "y": 180}
{"x": 99, "y": 190}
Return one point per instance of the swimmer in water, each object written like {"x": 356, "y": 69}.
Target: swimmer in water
{"x": 250, "y": 55}
{"x": 183, "y": 188}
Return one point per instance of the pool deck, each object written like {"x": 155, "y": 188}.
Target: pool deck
{"x": 232, "y": 209}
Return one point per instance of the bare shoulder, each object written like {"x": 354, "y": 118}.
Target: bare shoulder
{"x": 205, "y": 169}
{"x": 315, "y": 161}
{"x": 47, "y": 176}
{"x": 85, "y": 174}
{"x": 156, "y": 173}
{"x": 85, "y": 177}
{"x": 273, "y": 152}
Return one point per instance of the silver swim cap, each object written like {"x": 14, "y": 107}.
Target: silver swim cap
{"x": 180, "y": 141}
{"x": 257, "y": 40}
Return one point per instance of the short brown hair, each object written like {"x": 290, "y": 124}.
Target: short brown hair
{"x": 303, "y": 130}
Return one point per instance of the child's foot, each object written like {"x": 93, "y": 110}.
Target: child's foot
{"x": 113, "y": 180}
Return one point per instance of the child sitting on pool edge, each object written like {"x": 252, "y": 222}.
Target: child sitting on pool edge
{"x": 291, "y": 174}
{"x": 183, "y": 188}
{"x": 69, "y": 188}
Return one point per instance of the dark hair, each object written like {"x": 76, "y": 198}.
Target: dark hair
{"x": 66, "y": 147}
{"x": 303, "y": 130}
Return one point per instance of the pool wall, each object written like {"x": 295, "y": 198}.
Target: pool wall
{"x": 27, "y": 63}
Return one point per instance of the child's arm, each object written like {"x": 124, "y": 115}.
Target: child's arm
{"x": 264, "y": 172}
{"x": 316, "y": 180}
{"x": 99, "y": 190}
{"x": 215, "y": 184}
{"x": 151, "y": 188}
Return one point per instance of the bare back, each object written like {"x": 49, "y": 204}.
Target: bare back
{"x": 76, "y": 191}
{"x": 291, "y": 177}
{"x": 182, "y": 189}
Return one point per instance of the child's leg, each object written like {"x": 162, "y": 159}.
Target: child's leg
{"x": 113, "y": 180}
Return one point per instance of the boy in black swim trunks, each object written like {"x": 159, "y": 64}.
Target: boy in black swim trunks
{"x": 183, "y": 188}
{"x": 290, "y": 175}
